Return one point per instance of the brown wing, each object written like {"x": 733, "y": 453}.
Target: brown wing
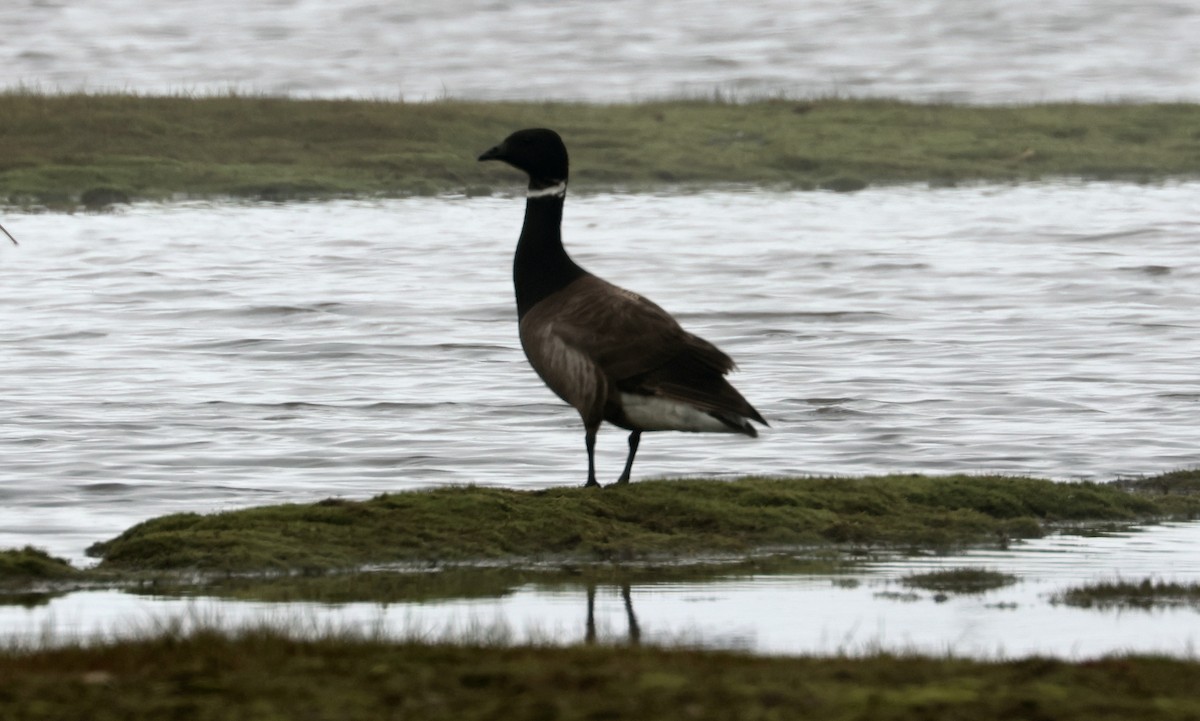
{"x": 638, "y": 347}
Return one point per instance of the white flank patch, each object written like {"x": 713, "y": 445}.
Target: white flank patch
{"x": 651, "y": 413}
{"x": 559, "y": 190}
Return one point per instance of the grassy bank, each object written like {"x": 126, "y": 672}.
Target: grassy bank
{"x": 64, "y": 149}
{"x": 646, "y": 520}
{"x": 263, "y": 675}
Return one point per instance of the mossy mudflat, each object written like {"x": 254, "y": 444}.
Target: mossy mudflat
{"x": 262, "y": 674}
{"x": 644, "y": 520}
{"x": 57, "y": 149}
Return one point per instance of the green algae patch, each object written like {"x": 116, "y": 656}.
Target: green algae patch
{"x": 1121, "y": 595}
{"x": 640, "y": 521}
{"x": 57, "y": 148}
{"x": 959, "y": 580}
{"x": 264, "y": 674}
{"x": 20, "y": 566}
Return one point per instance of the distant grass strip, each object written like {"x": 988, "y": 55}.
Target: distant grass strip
{"x": 1145, "y": 594}
{"x": 265, "y": 675}
{"x": 645, "y": 520}
{"x": 95, "y": 149}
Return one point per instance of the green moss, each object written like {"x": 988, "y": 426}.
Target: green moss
{"x": 53, "y": 148}
{"x": 262, "y": 674}
{"x": 1145, "y": 594}
{"x": 959, "y": 580}
{"x": 646, "y": 520}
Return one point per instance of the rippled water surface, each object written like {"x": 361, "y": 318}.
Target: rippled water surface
{"x": 985, "y": 51}
{"x": 864, "y": 610}
{"x": 199, "y": 357}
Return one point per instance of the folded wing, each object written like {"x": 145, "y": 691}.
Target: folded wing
{"x": 634, "y": 346}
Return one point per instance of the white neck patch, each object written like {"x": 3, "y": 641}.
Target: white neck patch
{"x": 559, "y": 190}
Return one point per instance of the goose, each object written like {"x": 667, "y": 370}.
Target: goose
{"x": 608, "y": 352}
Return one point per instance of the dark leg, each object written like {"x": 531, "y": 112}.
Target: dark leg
{"x": 589, "y": 439}
{"x": 590, "y": 636}
{"x": 634, "y": 439}
{"x": 635, "y": 631}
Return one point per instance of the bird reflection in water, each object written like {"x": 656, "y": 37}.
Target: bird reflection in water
{"x": 635, "y": 631}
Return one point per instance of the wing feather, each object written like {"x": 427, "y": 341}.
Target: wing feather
{"x": 636, "y": 346}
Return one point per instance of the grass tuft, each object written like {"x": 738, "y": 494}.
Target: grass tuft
{"x": 1145, "y": 594}
{"x": 22, "y": 565}
{"x": 960, "y": 580}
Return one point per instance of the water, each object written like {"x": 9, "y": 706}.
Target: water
{"x": 198, "y": 357}
{"x": 865, "y": 610}
{"x": 991, "y": 51}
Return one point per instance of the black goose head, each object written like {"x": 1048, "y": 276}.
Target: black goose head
{"x": 540, "y": 152}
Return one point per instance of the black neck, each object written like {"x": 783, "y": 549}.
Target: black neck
{"x": 541, "y": 266}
